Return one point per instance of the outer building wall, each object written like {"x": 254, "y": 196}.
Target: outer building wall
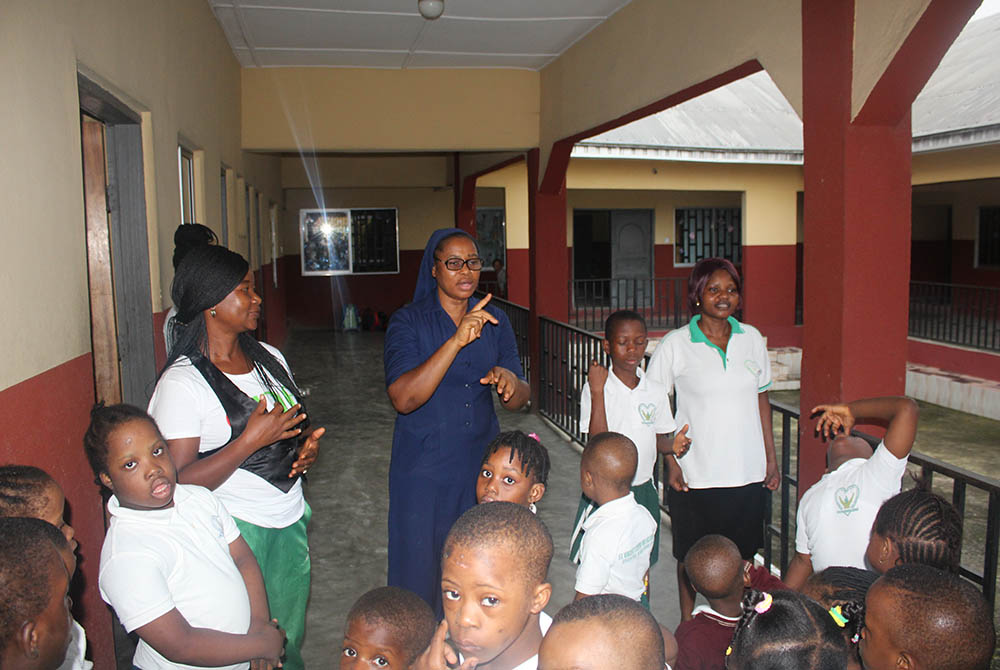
{"x": 171, "y": 63}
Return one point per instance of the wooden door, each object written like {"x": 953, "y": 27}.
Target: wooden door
{"x": 103, "y": 332}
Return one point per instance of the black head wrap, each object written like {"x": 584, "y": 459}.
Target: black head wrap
{"x": 204, "y": 278}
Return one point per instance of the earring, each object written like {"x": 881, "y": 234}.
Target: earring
{"x": 698, "y": 303}
{"x": 212, "y": 312}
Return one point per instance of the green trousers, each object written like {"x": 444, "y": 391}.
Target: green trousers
{"x": 283, "y": 556}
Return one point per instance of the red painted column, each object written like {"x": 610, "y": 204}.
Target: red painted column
{"x": 465, "y": 213}
{"x": 857, "y": 209}
{"x": 769, "y": 292}
{"x": 548, "y": 262}
{"x": 856, "y": 235}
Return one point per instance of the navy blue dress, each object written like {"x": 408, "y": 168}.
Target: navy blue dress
{"x": 437, "y": 449}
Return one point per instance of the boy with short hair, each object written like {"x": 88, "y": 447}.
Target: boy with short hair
{"x": 718, "y": 572}
{"x": 493, "y": 580}
{"x": 607, "y": 632}
{"x": 921, "y": 618}
{"x": 387, "y": 627}
{"x": 619, "y": 535}
{"x": 835, "y": 514}
{"x": 34, "y": 595}
{"x": 625, "y": 401}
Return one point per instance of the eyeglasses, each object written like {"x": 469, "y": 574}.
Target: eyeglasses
{"x": 455, "y": 264}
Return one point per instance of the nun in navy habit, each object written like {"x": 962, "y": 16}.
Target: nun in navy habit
{"x": 446, "y": 355}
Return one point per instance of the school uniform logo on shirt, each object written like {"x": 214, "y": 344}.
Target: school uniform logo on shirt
{"x": 752, "y": 366}
{"x": 285, "y": 399}
{"x": 647, "y": 412}
{"x": 217, "y": 527}
{"x": 846, "y": 498}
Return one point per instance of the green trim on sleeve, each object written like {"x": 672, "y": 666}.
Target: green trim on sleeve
{"x": 765, "y": 387}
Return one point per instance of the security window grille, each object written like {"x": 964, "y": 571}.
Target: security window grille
{"x": 185, "y": 168}
{"x": 704, "y": 232}
{"x": 989, "y": 236}
{"x": 373, "y": 240}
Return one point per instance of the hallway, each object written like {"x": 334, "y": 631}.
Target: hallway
{"x": 347, "y": 487}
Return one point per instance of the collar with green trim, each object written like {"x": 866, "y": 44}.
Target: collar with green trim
{"x": 698, "y": 336}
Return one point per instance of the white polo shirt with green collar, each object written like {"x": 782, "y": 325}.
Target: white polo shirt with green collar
{"x": 717, "y": 394}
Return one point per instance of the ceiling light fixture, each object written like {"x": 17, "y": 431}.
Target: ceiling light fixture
{"x": 430, "y": 9}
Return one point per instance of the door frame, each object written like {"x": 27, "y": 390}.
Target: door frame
{"x": 129, "y": 240}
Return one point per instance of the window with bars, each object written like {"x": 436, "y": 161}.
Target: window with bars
{"x": 705, "y": 232}
{"x": 373, "y": 241}
{"x": 989, "y": 237}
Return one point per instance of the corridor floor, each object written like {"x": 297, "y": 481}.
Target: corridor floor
{"x": 347, "y": 487}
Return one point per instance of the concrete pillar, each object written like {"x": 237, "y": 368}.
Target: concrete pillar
{"x": 857, "y": 210}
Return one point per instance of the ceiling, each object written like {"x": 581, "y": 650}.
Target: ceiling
{"x": 523, "y": 34}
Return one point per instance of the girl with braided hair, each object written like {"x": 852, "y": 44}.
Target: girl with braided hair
{"x": 916, "y": 526}
{"x": 515, "y": 469}
{"x": 785, "y": 630}
{"x": 234, "y": 422}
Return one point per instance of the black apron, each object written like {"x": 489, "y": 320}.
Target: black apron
{"x": 273, "y": 462}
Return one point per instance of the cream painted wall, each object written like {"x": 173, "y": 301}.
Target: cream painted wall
{"x": 387, "y": 171}
{"x": 770, "y": 211}
{"x": 342, "y": 109}
{"x": 880, "y": 28}
{"x": 665, "y": 47}
{"x": 490, "y": 197}
{"x": 421, "y": 210}
{"x": 957, "y": 165}
{"x": 172, "y": 64}
{"x": 514, "y": 180}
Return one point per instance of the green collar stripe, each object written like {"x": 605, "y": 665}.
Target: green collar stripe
{"x": 698, "y": 336}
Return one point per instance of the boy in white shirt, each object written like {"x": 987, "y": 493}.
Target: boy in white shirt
{"x": 625, "y": 401}
{"x": 835, "y": 515}
{"x": 619, "y": 535}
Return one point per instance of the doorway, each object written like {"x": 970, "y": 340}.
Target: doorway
{"x": 117, "y": 247}
{"x": 612, "y": 257}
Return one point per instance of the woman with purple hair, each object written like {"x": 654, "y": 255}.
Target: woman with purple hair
{"x": 720, "y": 372}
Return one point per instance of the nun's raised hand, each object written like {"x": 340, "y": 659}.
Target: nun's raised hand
{"x": 471, "y": 326}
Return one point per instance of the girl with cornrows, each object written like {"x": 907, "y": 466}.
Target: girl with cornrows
{"x": 234, "y": 423}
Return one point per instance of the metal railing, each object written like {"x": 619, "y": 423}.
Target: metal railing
{"x": 518, "y": 317}
{"x": 968, "y": 316}
{"x": 662, "y": 301}
{"x": 566, "y": 352}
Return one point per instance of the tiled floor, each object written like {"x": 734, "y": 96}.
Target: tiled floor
{"x": 348, "y": 487}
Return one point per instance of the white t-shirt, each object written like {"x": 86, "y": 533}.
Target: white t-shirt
{"x": 544, "y": 622}
{"x": 154, "y": 561}
{"x": 640, "y": 414}
{"x": 614, "y": 553}
{"x": 75, "y": 653}
{"x": 836, "y": 514}
{"x": 717, "y": 394}
{"x": 184, "y": 405}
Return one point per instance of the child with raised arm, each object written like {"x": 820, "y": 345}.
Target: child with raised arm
{"x": 173, "y": 564}
{"x": 835, "y": 515}
{"x": 624, "y": 400}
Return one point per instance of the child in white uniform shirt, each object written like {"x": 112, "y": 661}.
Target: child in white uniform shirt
{"x": 625, "y": 401}
{"x": 618, "y": 537}
{"x": 173, "y": 565}
{"x": 835, "y": 515}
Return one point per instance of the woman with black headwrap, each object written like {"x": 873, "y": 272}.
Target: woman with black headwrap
{"x": 234, "y": 423}
{"x": 443, "y": 353}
